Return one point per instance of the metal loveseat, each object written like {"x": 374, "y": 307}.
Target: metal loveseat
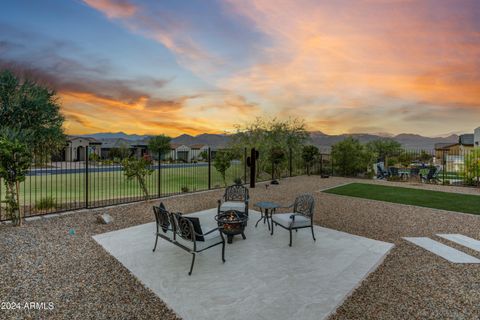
{"x": 186, "y": 233}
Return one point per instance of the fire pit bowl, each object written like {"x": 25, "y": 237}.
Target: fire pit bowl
{"x": 232, "y": 223}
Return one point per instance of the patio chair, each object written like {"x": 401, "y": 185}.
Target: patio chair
{"x": 432, "y": 176}
{"x": 235, "y": 198}
{"x": 186, "y": 233}
{"x": 301, "y": 217}
{"x": 381, "y": 173}
{"x": 393, "y": 171}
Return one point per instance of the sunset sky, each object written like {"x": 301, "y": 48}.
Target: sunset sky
{"x": 194, "y": 66}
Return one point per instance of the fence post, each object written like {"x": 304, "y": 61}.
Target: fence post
{"x": 86, "y": 177}
{"x": 209, "y": 169}
{"x": 159, "y": 174}
{"x": 245, "y": 165}
{"x": 331, "y": 162}
{"x": 444, "y": 162}
{"x": 321, "y": 164}
{"x": 290, "y": 162}
{"x": 475, "y": 155}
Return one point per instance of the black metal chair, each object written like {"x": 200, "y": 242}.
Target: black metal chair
{"x": 236, "y": 198}
{"x": 381, "y": 173}
{"x": 301, "y": 217}
{"x": 393, "y": 172}
{"x": 185, "y": 232}
{"x": 432, "y": 176}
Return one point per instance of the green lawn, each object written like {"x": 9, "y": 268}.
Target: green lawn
{"x": 70, "y": 188}
{"x": 417, "y": 197}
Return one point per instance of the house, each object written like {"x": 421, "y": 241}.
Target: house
{"x": 178, "y": 152}
{"x": 76, "y": 147}
{"x": 452, "y": 155}
{"x": 197, "y": 150}
{"x": 136, "y": 148}
{"x": 186, "y": 153}
{"x": 476, "y": 137}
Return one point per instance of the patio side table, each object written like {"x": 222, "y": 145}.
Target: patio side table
{"x": 267, "y": 208}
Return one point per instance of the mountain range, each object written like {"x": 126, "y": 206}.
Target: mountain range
{"x": 320, "y": 139}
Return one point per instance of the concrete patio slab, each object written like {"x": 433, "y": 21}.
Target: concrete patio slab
{"x": 462, "y": 240}
{"x": 263, "y": 278}
{"x": 444, "y": 251}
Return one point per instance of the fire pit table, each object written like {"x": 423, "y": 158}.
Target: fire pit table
{"x": 232, "y": 222}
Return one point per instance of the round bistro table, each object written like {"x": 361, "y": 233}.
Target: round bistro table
{"x": 267, "y": 208}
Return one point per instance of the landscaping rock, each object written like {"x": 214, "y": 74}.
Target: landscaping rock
{"x": 105, "y": 218}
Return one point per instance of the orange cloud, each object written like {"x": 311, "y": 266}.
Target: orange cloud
{"x": 339, "y": 65}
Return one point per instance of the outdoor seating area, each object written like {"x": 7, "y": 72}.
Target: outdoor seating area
{"x": 260, "y": 277}
{"x": 411, "y": 173}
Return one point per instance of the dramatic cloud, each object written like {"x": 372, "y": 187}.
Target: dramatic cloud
{"x": 174, "y": 66}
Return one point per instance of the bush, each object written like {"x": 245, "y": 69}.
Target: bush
{"x": 93, "y": 157}
{"x": 185, "y": 189}
{"x": 46, "y": 203}
{"x": 350, "y": 157}
{"x": 237, "y": 181}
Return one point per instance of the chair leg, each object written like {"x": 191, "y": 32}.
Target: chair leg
{"x": 223, "y": 251}
{"x": 271, "y": 233}
{"x": 313, "y": 234}
{"x": 290, "y": 231}
{"x": 193, "y": 261}
{"x": 156, "y": 240}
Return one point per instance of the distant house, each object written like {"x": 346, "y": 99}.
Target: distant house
{"x": 452, "y": 155}
{"x": 186, "y": 153}
{"x": 76, "y": 147}
{"x": 179, "y": 152}
{"x": 196, "y": 151}
{"x": 137, "y": 148}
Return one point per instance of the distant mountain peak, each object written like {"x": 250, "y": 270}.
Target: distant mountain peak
{"x": 318, "y": 138}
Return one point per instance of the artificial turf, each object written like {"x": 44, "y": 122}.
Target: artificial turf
{"x": 417, "y": 197}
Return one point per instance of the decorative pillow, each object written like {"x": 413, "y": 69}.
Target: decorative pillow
{"x": 196, "y": 227}
{"x": 165, "y": 221}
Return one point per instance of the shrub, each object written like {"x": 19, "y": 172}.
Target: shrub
{"x": 46, "y": 203}
{"x": 185, "y": 189}
{"x": 351, "y": 157}
{"x": 93, "y": 157}
{"x": 237, "y": 181}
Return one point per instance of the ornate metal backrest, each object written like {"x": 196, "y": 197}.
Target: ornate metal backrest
{"x": 236, "y": 192}
{"x": 304, "y": 204}
{"x": 162, "y": 217}
{"x": 183, "y": 227}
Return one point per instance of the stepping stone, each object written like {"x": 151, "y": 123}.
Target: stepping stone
{"x": 462, "y": 240}
{"x": 444, "y": 251}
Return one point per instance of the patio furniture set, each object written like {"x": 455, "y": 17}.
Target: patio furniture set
{"x": 426, "y": 175}
{"x": 232, "y": 217}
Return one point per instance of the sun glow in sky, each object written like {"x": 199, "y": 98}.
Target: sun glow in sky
{"x": 194, "y": 66}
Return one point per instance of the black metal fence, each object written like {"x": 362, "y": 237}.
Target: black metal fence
{"x": 58, "y": 186}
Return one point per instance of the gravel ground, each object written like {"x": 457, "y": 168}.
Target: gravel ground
{"x": 42, "y": 262}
